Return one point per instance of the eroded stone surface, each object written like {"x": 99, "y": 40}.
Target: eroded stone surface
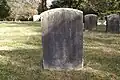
{"x": 113, "y": 23}
{"x": 90, "y": 21}
{"x": 62, "y": 39}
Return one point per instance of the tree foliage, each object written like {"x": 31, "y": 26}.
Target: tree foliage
{"x": 24, "y": 9}
{"x": 4, "y": 9}
{"x": 66, "y": 3}
{"x": 90, "y": 6}
{"x": 42, "y": 6}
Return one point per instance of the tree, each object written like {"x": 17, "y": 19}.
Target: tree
{"x": 66, "y": 3}
{"x": 44, "y": 7}
{"x": 4, "y": 9}
{"x": 76, "y": 4}
{"x": 98, "y": 7}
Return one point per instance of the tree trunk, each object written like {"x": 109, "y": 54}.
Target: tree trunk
{"x": 44, "y": 7}
{"x": 70, "y": 3}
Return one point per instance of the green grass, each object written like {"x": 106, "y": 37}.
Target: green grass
{"x": 21, "y": 55}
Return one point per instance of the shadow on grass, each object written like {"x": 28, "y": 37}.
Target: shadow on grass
{"x": 101, "y": 28}
{"x": 22, "y": 64}
{"x": 102, "y": 53}
{"x": 25, "y": 64}
{"x": 34, "y": 40}
{"x": 103, "y": 61}
{"x": 107, "y": 42}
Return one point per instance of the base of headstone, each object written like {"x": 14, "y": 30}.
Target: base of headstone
{"x": 77, "y": 68}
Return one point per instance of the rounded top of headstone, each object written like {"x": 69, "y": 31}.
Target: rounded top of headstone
{"x": 112, "y": 15}
{"x": 59, "y": 10}
{"x": 90, "y": 15}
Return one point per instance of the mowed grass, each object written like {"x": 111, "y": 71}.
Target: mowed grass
{"x": 21, "y": 55}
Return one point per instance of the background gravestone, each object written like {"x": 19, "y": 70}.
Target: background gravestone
{"x": 36, "y": 17}
{"x": 62, "y": 39}
{"x": 90, "y": 22}
{"x": 112, "y": 23}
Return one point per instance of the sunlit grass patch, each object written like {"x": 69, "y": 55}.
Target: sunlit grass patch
{"x": 21, "y": 55}
{"x": 103, "y": 49}
{"x": 18, "y": 57}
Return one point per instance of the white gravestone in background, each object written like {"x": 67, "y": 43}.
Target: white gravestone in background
{"x": 36, "y": 17}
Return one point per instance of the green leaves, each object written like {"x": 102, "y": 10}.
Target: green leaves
{"x": 4, "y": 9}
{"x": 66, "y": 3}
{"x": 89, "y": 6}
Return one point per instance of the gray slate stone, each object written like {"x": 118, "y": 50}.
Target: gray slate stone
{"x": 113, "y": 23}
{"x": 90, "y": 21}
{"x": 62, "y": 39}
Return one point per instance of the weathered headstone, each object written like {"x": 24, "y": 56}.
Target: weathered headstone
{"x": 113, "y": 23}
{"x": 90, "y": 21}
{"x": 36, "y": 17}
{"x": 62, "y": 39}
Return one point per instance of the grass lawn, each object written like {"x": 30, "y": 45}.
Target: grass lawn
{"x": 21, "y": 55}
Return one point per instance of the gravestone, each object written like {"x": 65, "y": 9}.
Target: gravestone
{"x": 36, "y": 17}
{"x": 62, "y": 39}
{"x": 90, "y": 21}
{"x": 113, "y": 23}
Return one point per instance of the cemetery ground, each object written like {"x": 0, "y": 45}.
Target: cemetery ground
{"x": 21, "y": 55}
